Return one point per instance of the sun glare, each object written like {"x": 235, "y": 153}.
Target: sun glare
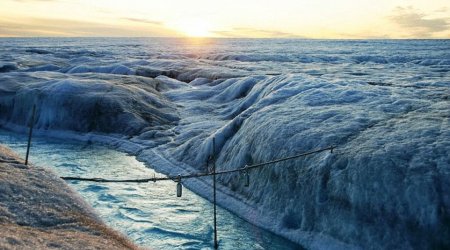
{"x": 194, "y": 28}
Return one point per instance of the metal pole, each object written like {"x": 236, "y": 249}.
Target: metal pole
{"x": 30, "y": 134}
{"x": 216, "y": 245}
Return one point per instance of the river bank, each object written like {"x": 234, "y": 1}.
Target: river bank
{"x": 38, "y": 210}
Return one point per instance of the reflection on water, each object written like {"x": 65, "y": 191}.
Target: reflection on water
{"x": 148, "y": 213}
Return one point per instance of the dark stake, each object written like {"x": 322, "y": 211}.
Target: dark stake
{"x": 216, "y": 245}
{"x": 179, "y": 186}
{"x": 30, "y": 134}
{"x": 247, "y": 177}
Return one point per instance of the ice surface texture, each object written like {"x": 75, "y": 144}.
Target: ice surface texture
{"x": 87, "y": 103}
{"x": 384, "y": 104}
{"x": 391, "y": 168}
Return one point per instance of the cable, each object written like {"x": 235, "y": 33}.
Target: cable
{"x": 174, "y": 178}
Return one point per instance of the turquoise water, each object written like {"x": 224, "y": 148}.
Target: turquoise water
{"x": 150, "y": 214}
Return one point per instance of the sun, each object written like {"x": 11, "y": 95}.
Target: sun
{"x": 194, "y": 28}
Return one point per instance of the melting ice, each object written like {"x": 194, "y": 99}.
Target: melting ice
{"x": 384, "y": 104}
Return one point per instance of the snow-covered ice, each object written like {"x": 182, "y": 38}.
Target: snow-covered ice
{"x": 384, "y": 104}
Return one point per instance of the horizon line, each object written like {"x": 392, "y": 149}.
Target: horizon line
{"x": 202, "y": 38}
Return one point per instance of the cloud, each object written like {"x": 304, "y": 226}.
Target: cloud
{"x": 366, "y": 34}
{"x": 65, "y": 27}
{"x": 141, "y": 20}
{"x": 418, "y": 23}
{"x": 442, "y": 10}
{"x": 250, "y": 32}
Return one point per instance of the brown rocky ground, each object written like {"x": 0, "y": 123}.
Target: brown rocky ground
{"x": 39, "y": 211}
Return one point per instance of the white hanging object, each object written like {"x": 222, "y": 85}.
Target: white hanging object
{"x": 179, "y": 186}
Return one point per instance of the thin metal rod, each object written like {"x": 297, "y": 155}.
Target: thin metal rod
{"x": 216, "y": 245}
{"x": 30, "y": 134}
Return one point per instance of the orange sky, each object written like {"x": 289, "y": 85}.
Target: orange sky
{"x": 220, "y": 18}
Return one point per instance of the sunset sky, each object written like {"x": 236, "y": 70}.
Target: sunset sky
{"x": 220, "y": 18}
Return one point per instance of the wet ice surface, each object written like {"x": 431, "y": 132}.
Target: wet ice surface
{"x": 150, "y": 214}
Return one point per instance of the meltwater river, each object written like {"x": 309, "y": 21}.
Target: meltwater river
{"x": 150, "y": 214}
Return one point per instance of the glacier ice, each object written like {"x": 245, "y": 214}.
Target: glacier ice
{"x": 87, "y": 103}
{"x": 384, "y": 104}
